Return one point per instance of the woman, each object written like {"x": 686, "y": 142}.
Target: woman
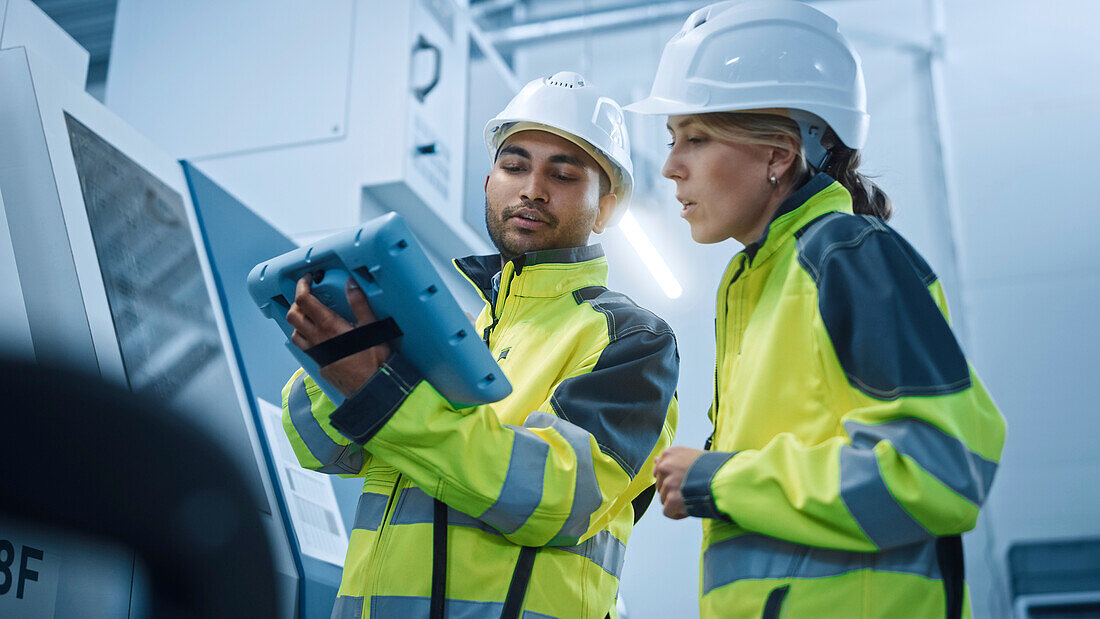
{"x": 852, "y": 441}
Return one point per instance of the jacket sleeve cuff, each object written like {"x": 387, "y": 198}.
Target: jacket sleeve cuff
{"x": 696, "y": 489}
{"x": 362, "y": 415}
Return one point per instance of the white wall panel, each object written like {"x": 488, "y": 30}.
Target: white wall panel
{"x": 256, "y": 74}
{"x": 1026, "y": 202}
{"x": 1037, "y": 352}
{"x": 1021, "y": 55}
{"x": 1024, "y": 153}
{"x": 270, "y": 182}
{"x": 23, "y": 24}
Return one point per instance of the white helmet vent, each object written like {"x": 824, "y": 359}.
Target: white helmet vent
{"x": 566, "y": 79}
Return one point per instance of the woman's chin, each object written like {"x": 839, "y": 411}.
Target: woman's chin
{"x": 701, "y": 235}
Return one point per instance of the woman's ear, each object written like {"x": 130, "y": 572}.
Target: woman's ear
{"x": 607, "y": 207}
{"x": 780, "y": 159}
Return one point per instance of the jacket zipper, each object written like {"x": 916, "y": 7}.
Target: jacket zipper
{"x": 719, "y": 332}
{"x": 502, "y": 293}
{"x": 391, "y": 506}
{"x": 488, "y": 330}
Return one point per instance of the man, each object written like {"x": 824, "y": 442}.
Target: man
{"x": 524, "y": 505}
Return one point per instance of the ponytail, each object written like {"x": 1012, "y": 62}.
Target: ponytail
{"x": 868, "y": 198}
{"x": 769, "y": 129}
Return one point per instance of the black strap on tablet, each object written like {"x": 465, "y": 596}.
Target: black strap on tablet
{"x": 356, "y": 340}
{"x": 439, "y": 561}
{"x": 517, "y": 590}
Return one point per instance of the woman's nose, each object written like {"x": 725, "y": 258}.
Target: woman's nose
{"x": 672, "y": 169}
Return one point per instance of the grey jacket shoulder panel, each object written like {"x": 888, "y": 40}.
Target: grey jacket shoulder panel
{"x": 624, "y": 400}
{"x": 889, "y": 334}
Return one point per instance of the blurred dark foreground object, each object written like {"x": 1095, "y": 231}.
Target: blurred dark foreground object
{"x": 96, "y": 459}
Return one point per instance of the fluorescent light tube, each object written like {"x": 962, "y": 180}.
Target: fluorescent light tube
{"x": 650, "y": 257}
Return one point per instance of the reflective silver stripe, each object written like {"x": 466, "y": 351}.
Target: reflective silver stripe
{"x": 586, "y": 494}
{"x": 334, "y": 458}
{"x": 414, "y": 506}
{"x": 409, "y": 606}
{"x": 945, "y": 457}
{"x": 458, "y": 519}
{"x": 753, "y": 557}
{"x": 347, "y": 607}
{"x": 370, "y": 510}
{"x": 604, "y": 550}
{"x": 875, "y": 510}
{"x": 350, "y": 460}
{"x": 522, "y": 488}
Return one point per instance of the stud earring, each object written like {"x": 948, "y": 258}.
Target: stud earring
{"x": 773, "y": 180}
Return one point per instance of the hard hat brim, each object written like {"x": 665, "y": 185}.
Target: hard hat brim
{"x": 652, "y": 106}
{"x": 850, "y": 125}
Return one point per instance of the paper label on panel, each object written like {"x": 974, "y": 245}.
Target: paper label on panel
{"x": 309, "y": 496}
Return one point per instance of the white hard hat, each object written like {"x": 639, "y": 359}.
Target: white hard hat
{"x": 575, "y": 110}
{"x": 757, "y": 54}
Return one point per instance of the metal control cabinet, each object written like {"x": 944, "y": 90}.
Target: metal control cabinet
{"x": 101, "y": 239}
{"x": 387, "y": 78}
{"x": 415, "y": 163}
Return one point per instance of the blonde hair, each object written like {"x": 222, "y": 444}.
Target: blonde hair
{"x": 773, "y": 128}
{"x": 761, "y": 129}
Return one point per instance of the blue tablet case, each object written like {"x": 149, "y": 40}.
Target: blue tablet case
{"x": 400, "y": 283}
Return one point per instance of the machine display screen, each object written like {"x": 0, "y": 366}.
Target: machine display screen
{"x": 163, "y": 315}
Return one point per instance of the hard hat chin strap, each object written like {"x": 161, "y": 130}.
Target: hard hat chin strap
{"x": 817, "y": 138}
{"x": 833, "y": 148}
{"x": 817, "y": 156}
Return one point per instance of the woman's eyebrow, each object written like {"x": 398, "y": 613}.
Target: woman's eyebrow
{"x": 680, "y": 124}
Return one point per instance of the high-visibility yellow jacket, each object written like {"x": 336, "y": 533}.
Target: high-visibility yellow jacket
{"x": 851, "y": 437}
{"x": 555, "y": 465}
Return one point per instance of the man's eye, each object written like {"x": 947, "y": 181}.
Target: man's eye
{"x": 564, "y": 177}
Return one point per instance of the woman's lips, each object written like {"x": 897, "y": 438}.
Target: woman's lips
{"x": 686, "y": 209}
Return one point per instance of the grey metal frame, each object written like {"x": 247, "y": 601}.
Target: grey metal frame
{"x": 66, "y": 307}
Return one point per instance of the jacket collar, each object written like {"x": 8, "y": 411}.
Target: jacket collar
{"x": 546, "y": 273}
{"x": 820, "y": 195}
